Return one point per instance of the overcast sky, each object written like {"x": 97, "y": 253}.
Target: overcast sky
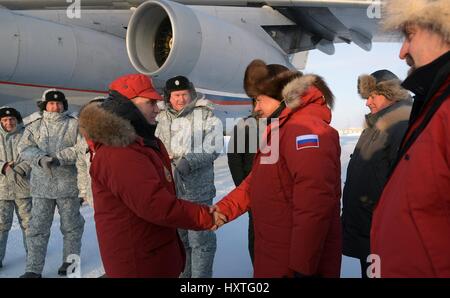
{"x": 341, "y": 71}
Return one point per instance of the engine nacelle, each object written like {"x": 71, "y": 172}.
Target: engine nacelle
{"x": 41, "y": 52}
{"x": 165, "y": 39}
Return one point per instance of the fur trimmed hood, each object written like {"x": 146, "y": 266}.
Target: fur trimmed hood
{"x": 294, "y": 90}
{"x": 391, "y": 89}
{"x": 280, "y": 83}
{"x": 105, "y": 127}
{"x": 433, "y": 14}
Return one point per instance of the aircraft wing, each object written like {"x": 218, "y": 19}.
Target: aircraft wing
{"x": 320, "y": 22}
{"x": 117, "y": 4}
{"x": 189, "y": 37}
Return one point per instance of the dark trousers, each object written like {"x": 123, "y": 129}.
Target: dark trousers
{"x": 364, "y": 266}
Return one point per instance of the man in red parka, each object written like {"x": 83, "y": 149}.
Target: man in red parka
{"x": 136, "y": 210}
{"x": 295, "y": 199}
{"x": 411, "y": 224}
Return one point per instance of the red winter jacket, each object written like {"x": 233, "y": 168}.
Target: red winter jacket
{"x": 136, "y": 211}
{"x": 296, "y": 200}
{"x": 411, "y": 223}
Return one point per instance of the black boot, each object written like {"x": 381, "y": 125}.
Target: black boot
{"x": 31, "y": 275}
{"x": 1, "y": 264}
{"x": 63, "y": 269}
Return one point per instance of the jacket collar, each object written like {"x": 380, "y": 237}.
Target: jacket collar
{"x": 400, "y": 111}
{"x": 53, "y": 116}
{"x": 423, "y": 79}
{"x": 197, "y": 103}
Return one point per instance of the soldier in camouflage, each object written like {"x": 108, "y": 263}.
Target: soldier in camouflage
{"x": 193, "y": 137}
{"x": 14, "y": 181}
{"x": 48, "y": 144}
{"x": 83, "y": 164}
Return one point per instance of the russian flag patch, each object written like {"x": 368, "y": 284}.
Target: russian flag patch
{"x": 307, "y": 141}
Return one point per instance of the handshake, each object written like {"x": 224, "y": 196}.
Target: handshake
{"x": 219, "y": 218}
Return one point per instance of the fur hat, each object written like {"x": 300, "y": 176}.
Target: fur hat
{"x": 52, "y": 95}
{"x": 179, "y": 83}
{"x": 432, "y": 14}
{"x": 10, "y": 112}
{"x": 269, "y": 80}
{"x": 280, "y": 83}
{"x": 382, "y": 82}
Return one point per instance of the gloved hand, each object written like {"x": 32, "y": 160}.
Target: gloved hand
{"x": 182, "y": 166}
{"x": 46, "y": 162}
{"x": 20, "y": 171}
{"x": 22, "y": 182}
{"x": 10, "y": 174}
{"x": 14, "y": 177}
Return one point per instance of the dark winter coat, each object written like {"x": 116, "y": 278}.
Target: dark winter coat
{"x": 240, "y": 155}
{"x": 367, "y": 173}
{"x": 411, "y": 223}
{"x": 136, "y": 211}
{"x": 296, "y": 200}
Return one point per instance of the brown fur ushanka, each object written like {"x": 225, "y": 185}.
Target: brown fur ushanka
{"x": 280, "y": 83}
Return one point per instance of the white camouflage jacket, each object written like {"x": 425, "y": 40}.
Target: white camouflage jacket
{"x": 10, "y": 187}
{"x": 83, "y": 165}
{"x": 54, "y": 135}
{"x": 196, "y": 135}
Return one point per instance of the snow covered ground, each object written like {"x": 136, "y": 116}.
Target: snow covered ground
{"x": 232, "y": 258}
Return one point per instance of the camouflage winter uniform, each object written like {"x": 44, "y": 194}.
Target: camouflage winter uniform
{"x": 14, "y": 187}
{"x": 54, "y": 135}
{"x": 193, "y": 135}
{"x": 83, "y": 164}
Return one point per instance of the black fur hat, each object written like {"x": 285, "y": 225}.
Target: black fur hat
{"x": 10, "y": 112}
{"x": 179, "y": 83}
{"x": 52, "y": 95}
{"x": 382, "y": 82}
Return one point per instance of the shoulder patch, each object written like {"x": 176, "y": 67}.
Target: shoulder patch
{"x": 307, "y": 141}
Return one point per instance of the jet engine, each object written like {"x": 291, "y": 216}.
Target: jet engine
{"x": 166, "y": 39}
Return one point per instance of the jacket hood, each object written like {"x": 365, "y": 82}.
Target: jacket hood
{"x": 105, "y": 127}
{"x": 303, "y": 89}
